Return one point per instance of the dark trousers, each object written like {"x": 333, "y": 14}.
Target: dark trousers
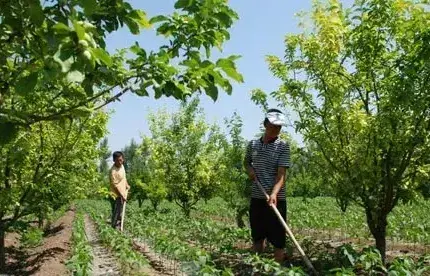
{"x": 116, "y": 211}
{"x": 265, "y": 224}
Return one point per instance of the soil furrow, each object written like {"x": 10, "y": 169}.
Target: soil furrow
{"x": 104, "y": 263}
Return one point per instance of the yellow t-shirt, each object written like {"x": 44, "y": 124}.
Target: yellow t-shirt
{"x": 118, "y": 181}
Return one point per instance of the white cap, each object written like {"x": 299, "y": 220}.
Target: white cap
{"x": 276, "y": 118}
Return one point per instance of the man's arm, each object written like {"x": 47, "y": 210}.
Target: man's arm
{"x": 283, "y": 164}
{"x": 248, "y": 163}
{"x": 280, "y": 180}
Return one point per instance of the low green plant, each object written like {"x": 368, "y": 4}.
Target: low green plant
{"x": 31, "y": 237}
{"x": 80, "y": 262}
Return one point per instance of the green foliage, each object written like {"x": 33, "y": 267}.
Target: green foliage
{"x": 137, "y": 170}
{"x": 101, "y": 187}
{"x": 236, "y": 187}
{"x": 271, "y": 267}
{"x": 155, "y": 191}
{"x": 104, "y": 155}
{"x": 407, "y": 266}
{"x": 54, "y": 61}
{"x": 31, "y": 237}
{"x": 80, "y": 261}
{"x": 369, "y": 262}
{"x": 169, "y": 233}
{"x": 304, "y": 177}
{"x": 210, "y": 242}
{"x": 408, "y": 223}
{"x": 47, "y": 166}
{"x": 184, "y": 153}
{"x": 357, "y": 81}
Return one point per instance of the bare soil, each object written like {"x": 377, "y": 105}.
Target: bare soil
{"x": 49, "y": 258}
{"x": 104, "y": 263}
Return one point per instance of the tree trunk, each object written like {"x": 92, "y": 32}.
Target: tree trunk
{"x": 140, "y": 201}
{"x": 380, "y": 240}
{"x": 48, "y": 224}
{"x": 2, "y": 249}
{"x": 378, "y": 227}
{"x": 40, "y": 222}
{"x": 154, "y": 204}
{"x": 187, "y": 211}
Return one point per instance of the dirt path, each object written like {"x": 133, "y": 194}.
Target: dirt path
{"x": 104, "y": 263}
{"x": 160, "y": 265}
{"x": 47, "y": 259}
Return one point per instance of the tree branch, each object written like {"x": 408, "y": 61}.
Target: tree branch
{"x": 117, "y": 96}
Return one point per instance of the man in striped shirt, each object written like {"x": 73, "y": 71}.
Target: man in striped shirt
{"x": 267, "y": 160}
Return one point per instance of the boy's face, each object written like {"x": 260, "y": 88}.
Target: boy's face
{"x": 119, "y": 161}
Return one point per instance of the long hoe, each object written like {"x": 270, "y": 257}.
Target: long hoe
{"x": 281, "y": 219}
{"x": 123, "y": 216}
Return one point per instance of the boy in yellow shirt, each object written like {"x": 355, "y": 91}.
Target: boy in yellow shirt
{"x": 119, "y": 187}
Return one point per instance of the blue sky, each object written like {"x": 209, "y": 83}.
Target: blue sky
{"x": 259, "y": 31}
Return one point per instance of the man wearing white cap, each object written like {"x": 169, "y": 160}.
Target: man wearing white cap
{"x": 267, "y": 160}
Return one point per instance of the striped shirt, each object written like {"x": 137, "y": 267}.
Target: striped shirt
{"x": 266, "y": 159}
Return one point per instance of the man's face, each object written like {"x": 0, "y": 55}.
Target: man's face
{"x": 272, "y": 131}
{"x": 119, "y": 161}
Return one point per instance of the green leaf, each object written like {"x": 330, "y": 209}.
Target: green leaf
{"x": 180, "y": 91}
{"x": 36, "y": 12}
{"x": 158, "y": 18}
{"x": 212, "y": 91}
{"x": 140, "y": 18}
{"x": 138, "y": 50}
{"x": 135, "y": 48}
{"x": 225, "y": 19}
{"x": 234, "y": 57}
{"x": 141, "y": 92}
{"x": 180, "y": 4}
{"x": 222, "y": 62}
{"x": 26, "y": 84}
{"x": 228, "y": 88}
{"x": 164, "y": 29}
{"x": 229, "y": 68}
{"x": 132, "y": 25}
{"x": 8, "y": 131}
{"x": 65, "y": 58}
{"x": 75, "y": 76}
{"x": 81, "y": 111}
{"x": 65, "y": 53}
{"x": 89, "y": 6}
{"x": 158, "y": 92}
{"x": 102, "y": 55}
{"x": 206, "y": 64}
{"x": 88, "y": 87}
{"x": 207, "y": 50}
{"x": 232, "y": 73}
{"x": 61, "y": 28}
{"x": 80, "y": 30}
